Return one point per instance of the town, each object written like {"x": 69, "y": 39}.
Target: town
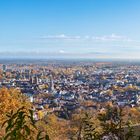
{"x": 62, "y": 87}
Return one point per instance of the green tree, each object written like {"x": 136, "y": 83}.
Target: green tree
{"x": 113, "y": 125}
{"x": 21, "y": 126}
{"x": 89, "y": 132}
{"x": 111, "y": 122}
{"x": 83, "y": 127}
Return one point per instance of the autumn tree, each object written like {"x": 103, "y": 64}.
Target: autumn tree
{"x": 11, "y": 99}
{"x": 111, "y": 122}
{"x": 113, "y": 125}
{"x": 84, "y": 126}
{"x": 89, "y": 132}
{"x": 21, "y": 126}
{"x": 56, "y": 128}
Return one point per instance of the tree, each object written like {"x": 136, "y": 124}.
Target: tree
{"x": 83, "y": 126}
{"x": 130, "y": 134}
{"x": 11, "y": 99}
{"x": 55, "y": 127}
{"x": 89, "y": 132}
{"x": 21, "y": 126}
{"x": 111, "y": 122}
{"x": 113, "y": 126}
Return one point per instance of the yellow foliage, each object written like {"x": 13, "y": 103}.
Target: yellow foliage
{"x": 11, "y": 99}
{"x": 40, "y": 114}
{"x": 56, "y": 128}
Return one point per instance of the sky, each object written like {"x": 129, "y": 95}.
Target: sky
{"x": 70, "y": 29}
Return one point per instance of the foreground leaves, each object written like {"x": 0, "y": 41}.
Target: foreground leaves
{"x": 21, "y": 126}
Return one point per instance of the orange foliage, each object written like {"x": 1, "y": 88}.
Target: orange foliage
{"x": 11, "y": 99}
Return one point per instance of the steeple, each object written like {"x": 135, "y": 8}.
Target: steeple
{"x": 51, "y": 84}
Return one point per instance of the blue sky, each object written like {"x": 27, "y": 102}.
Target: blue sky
{"x": 70, "y": 28}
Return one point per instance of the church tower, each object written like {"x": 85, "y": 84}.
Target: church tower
{"x": 51, "y": 84}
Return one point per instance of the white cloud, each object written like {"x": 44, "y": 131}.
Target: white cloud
{"x": 61, "y": 36}
{"x": 112, "y": 37}
{"x": 62, "y": 51}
